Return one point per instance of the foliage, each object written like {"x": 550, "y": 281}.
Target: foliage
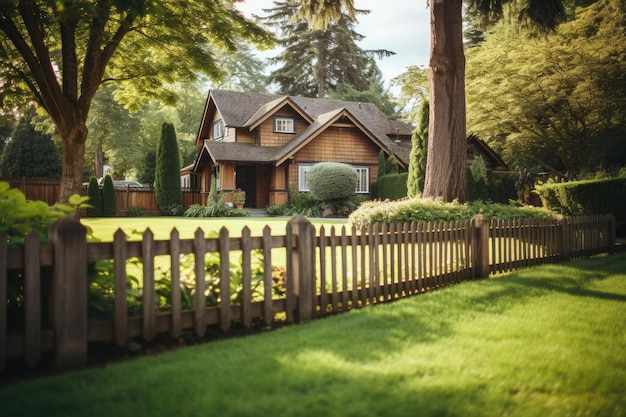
{"x": 420, "y": 210}
{"x": 602, "y": 196}
{"x": 95, "y": 198}
{"x": 313, "y": 62}
{"x": 382, "y": 165}
{"x": 393, "y": 186}
{"x": 300, "y": 203}
{"x": 167, "y": 189}
{"x": 328, "y": 181}
{"x": 419, "y": 150}
{"x": 145, "y": 46}
{"x": 147, "y": 168}
{"x": 109, "y": 199}
{"x": 477, "y": 188}
{"x": 413, "y": 86}
{"x": 217, "y": 209}
{"x": 134, "y": 212}
{"x": 19, "y": 216}
{"x": 212, "y": 199}
{"x": 555, "y": 102}
{"x": 30, "y": 153}
{"x": 391, "y": 165}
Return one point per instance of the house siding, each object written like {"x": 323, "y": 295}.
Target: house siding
{"x": 336, "y": 144}
{"x": 271, "y": 138}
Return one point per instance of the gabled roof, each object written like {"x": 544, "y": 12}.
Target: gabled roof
{"x": 496, "y": 160}
{"x": 248, "y": 110}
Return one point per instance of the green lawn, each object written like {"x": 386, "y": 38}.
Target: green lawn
{"x": 105, "y": 227}
{"x": 546, "y": 341}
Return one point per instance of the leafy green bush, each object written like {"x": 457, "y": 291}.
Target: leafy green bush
{"x": 419, "y": 210}
{"x": 217, "y": 209}
{"x": 109, "y": 199}
{"x": 601, "y": 196}
{"x": 393, "y": 186}
{"x": 134, "y": 212}
{"x": 95, "y": 198}
{"x": 328, "y": 181}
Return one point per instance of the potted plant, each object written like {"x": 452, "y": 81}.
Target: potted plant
{"x": 240, "y": 198}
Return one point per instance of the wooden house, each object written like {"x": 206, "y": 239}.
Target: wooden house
{"x": 264, "y": 144}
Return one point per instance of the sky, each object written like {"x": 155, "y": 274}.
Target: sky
{"x": 401, "y": 26}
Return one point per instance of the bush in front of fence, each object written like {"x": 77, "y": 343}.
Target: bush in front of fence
{"x": 423, "y": 210}
{"x": 101, "y": 289}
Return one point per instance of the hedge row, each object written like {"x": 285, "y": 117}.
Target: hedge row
{"x": 604, "y": 196}
{"x": 392, "y": 186}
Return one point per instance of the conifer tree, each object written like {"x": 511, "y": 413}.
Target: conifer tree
{"x": 167, "y": 187}
{"x": 315, "y": 61}
{"x": 109, "y": 199}
{"x": 95, "y": 198}
{"x": 417, "y": 159}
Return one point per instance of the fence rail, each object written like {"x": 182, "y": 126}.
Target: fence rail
{"x": 305, "y": 273}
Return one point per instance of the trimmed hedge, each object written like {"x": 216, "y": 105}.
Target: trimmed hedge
{"x": 109, "y": 199}
{"x": 393, "y": 186}
{"x": 604, "y": 196}
{"x": 332, "y": 181}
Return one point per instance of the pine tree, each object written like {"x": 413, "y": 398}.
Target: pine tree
{"x": 417, "y": 164}
{"x": 167, "y": 187}
{"x": 314, "y": 62}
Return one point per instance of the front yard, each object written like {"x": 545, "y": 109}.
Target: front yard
{"x": 545, "y": 341}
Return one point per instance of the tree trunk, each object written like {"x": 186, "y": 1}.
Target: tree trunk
{"x": 73, "y": 161}
{"x": 447, "y": 146}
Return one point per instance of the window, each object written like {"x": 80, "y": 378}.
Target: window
{"x": 218, "y": 129}
{"x": 284, "y": 125}
{"x": 362, "y": 187}
{"x": 363, "y": 183}
{"x": 302, "y": 172}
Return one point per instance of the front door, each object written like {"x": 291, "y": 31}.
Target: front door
{"x": 245, "y": 178}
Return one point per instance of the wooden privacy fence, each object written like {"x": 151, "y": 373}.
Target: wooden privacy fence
{"x": 305, "y": 273}
{"x": 126, "y": 197}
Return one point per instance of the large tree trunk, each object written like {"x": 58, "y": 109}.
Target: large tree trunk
{"x": 447, "y": 146}
{"x": 73, "y": 161}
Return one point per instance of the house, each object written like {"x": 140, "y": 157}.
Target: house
{"x": 493, "y": 161}
{"x": 264, "y": 144}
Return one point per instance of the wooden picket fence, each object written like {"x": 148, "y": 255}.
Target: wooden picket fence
{"x": 324, "y": 271}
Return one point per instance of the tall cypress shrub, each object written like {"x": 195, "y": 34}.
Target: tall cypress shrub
{"x": 417, "y": 160}
{"x": 167, "y": 188}
{"x": 109, "y": 199}
{"x": 95, "y": 198}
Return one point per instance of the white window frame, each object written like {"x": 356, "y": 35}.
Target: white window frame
{"x": 218, "y": 130}
{"x": 284, "y": 125}
{"x": 302, "y": 172}
{"x": 363, "y": 183}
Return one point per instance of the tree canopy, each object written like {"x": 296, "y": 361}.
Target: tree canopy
{"x": 556, "y": 102}
{"x": 62, "y": 52}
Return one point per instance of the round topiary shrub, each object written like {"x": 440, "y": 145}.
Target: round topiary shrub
{"x": 332, "y": 181}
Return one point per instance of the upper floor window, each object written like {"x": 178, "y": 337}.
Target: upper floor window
{"x": 218, "y": 129}
{"x": 284, "y": 125}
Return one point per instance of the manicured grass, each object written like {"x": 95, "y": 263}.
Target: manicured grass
{"x": 546, "y": 341}
{"x": 105, "y": 227}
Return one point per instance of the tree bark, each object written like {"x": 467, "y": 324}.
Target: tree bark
{"x": 447, "y": 145}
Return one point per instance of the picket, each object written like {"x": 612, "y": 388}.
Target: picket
{"x": 334, "y": 271}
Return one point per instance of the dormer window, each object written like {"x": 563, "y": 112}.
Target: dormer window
{"x": 284, "y": 125}
{"x": 218, "y": 130}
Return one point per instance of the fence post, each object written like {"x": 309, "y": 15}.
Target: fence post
{"x": 481, "y": 246}
{"x": 303, "y": 265}
{"x": 68, "y": 294}
{"x": 566, "y": 250}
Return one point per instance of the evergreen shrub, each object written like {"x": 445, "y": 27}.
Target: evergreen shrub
{"x": 95, "y": 198}
{"x": 328, "y": 181}
{"x": 167, "y": 189}
{"x": 603, "y": 196}
{"x": 109, "y": 199}
{"x": 393, "y": 186}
